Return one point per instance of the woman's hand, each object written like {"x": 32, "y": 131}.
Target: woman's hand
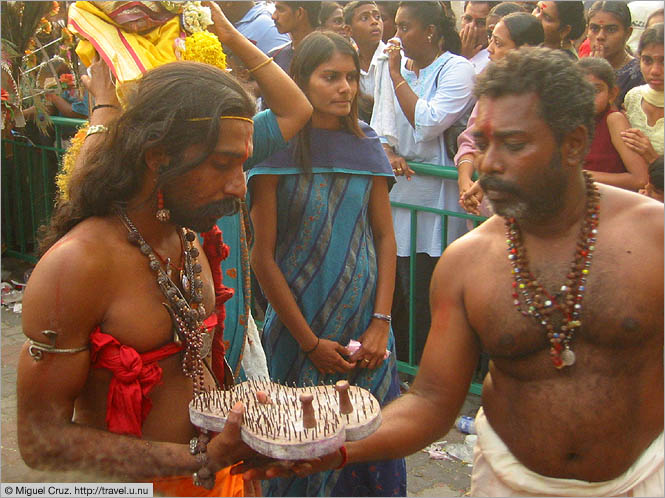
{"x": 398, "y": 163}
{"x": 99, "y": 83}
{"x": 328, "y": 357}
{"x": 373, "y": 345}
{"x": 597, "y": 50}
{"x": 638, "y": 142}
{"x": 393, "y": 50}
{"x": 222, "y": 26}
{"x": 471, "y": 198}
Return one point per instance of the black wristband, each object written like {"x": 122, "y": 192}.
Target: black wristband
{"x": 318, "y": 340}
{"x": 100, "y": 106}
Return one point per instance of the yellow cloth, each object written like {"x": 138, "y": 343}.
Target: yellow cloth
{"x": 654, "y": 97}
{"x": 225, "y": 485}
{"x": 496, "y": 472}
{"x": 129, "y": 55}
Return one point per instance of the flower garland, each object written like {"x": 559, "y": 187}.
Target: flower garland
{"x": 6, "y": 108}
{"x": 199, "y": 46}
{"x": 202, "y": 47}
{"x": 68, "y": 161}
{"x": 195, "y": 17}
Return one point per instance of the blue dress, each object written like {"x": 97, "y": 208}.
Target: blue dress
{"x": 325, "y": 249}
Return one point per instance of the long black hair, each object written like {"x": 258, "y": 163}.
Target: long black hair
{"x": 524, "y": 29}
{"x": 432, "y": 13}
{"x": 315, "y": 49}
{"x": 158, "y": 112}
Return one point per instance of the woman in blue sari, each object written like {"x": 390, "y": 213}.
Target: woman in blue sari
{"x": 324, "y": 254}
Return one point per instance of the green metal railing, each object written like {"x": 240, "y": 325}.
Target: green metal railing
{"x": 449, "y": 174}
{"x": 28, "y": 187}
{"x": 28, "y": 192}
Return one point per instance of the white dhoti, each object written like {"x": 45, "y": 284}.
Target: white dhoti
{"x": 496, "y": 472}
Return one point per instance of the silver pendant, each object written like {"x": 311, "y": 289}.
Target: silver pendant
{"x": 206, "y": 345}
{"x": 185, "y": 283}
{"x": 568, "y": 357}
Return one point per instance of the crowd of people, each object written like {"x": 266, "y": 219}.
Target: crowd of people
{"x": 289, "y": 162}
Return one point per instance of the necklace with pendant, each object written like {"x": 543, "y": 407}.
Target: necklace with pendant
{"x": 187, "y": 310}
{"x": 532, "y": 300}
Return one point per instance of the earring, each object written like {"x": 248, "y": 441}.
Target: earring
{"x": 162, "y": 214}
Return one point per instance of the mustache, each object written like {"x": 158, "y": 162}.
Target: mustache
{"x": 493, "y": 183}
{"x": 225, "y": 207}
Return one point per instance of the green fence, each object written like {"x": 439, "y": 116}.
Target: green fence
{"x": 28, "y": 187}
{"x": 448, "y": 174}
{"x": 28, "y": 190}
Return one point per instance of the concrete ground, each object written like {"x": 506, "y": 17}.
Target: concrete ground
{"x": 426, "y": 477}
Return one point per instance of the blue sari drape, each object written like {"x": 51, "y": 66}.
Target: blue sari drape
{"x": 325, "y": 249}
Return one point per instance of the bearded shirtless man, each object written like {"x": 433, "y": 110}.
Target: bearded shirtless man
{"x": 106, "y": 388}
{"x": 574, "y": 411}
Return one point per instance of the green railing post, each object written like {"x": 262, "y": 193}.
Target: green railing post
{"x": 446, "y": 173}
{"x": 412, "y": 287}
{"x": 28, "y": 189}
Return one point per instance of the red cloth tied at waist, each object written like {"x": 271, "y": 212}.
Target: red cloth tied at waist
{"x": 134, "y": 376}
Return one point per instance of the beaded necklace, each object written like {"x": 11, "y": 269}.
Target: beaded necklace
{"x": 187, "y": 311}
{"x": 187, "y": 315}
{"x": 532, "y": 299}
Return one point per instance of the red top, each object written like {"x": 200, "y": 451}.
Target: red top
{"x": 602, "y": 156}
{"x": 134, "y": 374}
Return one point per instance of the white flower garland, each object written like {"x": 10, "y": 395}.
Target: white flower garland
{"x": 195, "y": 17}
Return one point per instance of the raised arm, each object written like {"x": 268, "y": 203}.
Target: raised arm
{"x": 280, "y": 93}
{"x": 66, "y": 295}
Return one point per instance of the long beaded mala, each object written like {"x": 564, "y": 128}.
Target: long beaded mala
{"x": 187, "y": 315}
{"x": 532, "y": 299}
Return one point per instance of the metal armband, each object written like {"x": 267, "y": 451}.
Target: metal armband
{"x": 37, "y": 349}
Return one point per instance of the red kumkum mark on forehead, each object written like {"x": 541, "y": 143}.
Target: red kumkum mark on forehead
{"x": 486, "y": 126}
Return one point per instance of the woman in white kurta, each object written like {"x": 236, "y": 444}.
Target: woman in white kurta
{"x": 432, "y": 91}
{"x": 644, "y": 104}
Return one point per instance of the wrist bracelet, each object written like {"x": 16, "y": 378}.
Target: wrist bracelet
{"x": 403, "y": 82}
{"x": 100, "y": 106}
{"x": 259, "y": 66}
{"x": 345, "y": 457}
{"x": 462, "y": 161}
{"x": 318, "y": 340}
{"x": 381, "y": 316}
{"x": 98, "y": 128}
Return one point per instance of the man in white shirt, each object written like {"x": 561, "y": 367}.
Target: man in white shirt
{"x": 363, "y": 20}
{"x": 473, "y": 33}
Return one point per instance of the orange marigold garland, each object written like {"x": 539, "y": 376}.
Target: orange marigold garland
{"x": 68, "y": 162}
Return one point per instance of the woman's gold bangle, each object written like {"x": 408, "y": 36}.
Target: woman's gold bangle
{"x": 400, "y": 84}
{"x": 259, "y": 66}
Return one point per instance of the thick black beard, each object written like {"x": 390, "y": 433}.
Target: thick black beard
{"x": 199, "y": 219}
{"x": 540, "y": 204}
